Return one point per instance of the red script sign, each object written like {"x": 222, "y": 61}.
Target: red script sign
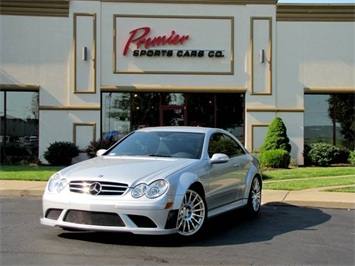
{"x": 140, "y": 37}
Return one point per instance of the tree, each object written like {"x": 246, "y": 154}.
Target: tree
{"x": 342, "y": 109}
{"x": 276, "y": 137}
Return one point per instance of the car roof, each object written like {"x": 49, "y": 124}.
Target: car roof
{"x": 190, "y": 129}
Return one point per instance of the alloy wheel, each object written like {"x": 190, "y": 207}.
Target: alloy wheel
{"x": 255, "y": 195}
{"x": 191, "y": 214}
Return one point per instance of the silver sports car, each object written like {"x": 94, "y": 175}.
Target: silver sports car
{"x": 158, "y": 180}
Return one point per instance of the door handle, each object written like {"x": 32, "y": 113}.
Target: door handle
{"x": 236, "y": 165}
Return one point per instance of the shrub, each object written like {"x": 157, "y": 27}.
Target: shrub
{"x": 276, "y": 137}
{"x": 351, "y": 159}
{"x": 307, "y": 160}
{"x": 97, "y": 145}
{"x": 61, "y": 153}
{"x": 275, "y": 159}
{"x": 342, "y": 157}
{"x": 323, "y": 154}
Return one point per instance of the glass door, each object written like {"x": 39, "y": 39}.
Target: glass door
{"x": 173, "y": 116}
{"x": 173, "y": 109}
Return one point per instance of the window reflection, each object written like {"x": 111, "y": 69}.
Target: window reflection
{"x": 115, "y": 115}
{"x": 19, "y": 126}
{"x": 160, "y": 144}
{"x": 318, "y": 127}
{"x": 328, "y": 118}
{"x": 173, "y": 99}
{"x": 230, "y": 113}
{"x": 145, "y": 110}
{"x": 201, "y": 109}
{"x": 221, "y": 143}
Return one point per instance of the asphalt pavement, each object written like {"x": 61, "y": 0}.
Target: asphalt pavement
{"x": 319, "y": 197}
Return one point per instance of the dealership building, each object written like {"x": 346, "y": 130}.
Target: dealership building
{"x": 78, "y": 71}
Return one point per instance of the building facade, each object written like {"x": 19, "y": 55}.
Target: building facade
{"x": 78, "y": 71}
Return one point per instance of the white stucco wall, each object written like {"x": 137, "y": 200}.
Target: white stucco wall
{"x": 316, "y": 55}
{"x": 241, "y": 16}
{"x": 35, "y": 51}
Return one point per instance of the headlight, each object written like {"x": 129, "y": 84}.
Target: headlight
{"x": 151, "y": 191}
{"x": 156, "y": 189}
{"x": 57, "y": 183}
{"x": 139, "y": 190}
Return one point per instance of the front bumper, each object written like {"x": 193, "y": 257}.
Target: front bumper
{"x": 109, "y": 213}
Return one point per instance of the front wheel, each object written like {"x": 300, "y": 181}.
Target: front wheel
{"x": 254, "y": 200}
{"x": 192, "y": 213}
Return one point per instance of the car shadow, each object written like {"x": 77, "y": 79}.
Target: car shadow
{"x": 232, "y": 228}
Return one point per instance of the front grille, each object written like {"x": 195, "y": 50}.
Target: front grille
{"x": 97, "y": 187}
{"x": 93, "y": 218}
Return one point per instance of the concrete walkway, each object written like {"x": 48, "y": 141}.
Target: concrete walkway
{"x": 306, "y": 198}
{"x": 311, "y": 198}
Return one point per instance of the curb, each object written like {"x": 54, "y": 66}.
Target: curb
{"x": 314, "y": 198}
{"x": 310, "y": 198}
{"x": 314, "y": 204}
{"x": 21, "y": 193}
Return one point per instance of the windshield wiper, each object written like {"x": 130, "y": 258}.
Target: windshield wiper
{"x": 159, "y": 155}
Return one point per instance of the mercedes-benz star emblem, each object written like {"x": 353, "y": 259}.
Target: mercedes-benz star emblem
{"x": 95, "y": 188}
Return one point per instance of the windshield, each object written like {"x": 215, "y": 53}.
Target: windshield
{"x": 160, "y": 144}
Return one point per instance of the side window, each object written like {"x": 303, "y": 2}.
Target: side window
{"x": 220, "y": 143}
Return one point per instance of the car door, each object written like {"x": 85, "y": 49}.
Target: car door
{"x": 225, "y": 180}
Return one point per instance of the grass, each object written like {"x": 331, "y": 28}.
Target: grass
{"x": 307, "y": 172}
{"x": 309, "y": 177}
{"x": 343, "y": 189}
{"x": 301, "y": 184}
{"x": 27, "y": 173}
{"x": 282, "y": 179}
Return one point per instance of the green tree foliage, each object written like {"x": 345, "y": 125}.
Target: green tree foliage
{"x": 352, "y": 157}
{"x": 275, "y": 159}
{"x": 94, "y": 146}
{"x": 343, "y": 107}
{"x": 323, "y": 154}
{"x": 276, "y": 137}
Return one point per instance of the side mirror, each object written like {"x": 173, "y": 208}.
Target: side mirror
{"x": 219, "y": 158}
{"x": 100, "y": 152}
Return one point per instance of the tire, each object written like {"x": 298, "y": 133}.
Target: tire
{"x": 254, "y": 199}
{"x": 192, "y": 213}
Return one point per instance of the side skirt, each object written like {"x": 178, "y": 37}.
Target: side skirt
{"x": 228, "y": 207}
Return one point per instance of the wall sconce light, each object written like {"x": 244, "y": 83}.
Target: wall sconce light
{"x": 261, "y": 56}
{"x": 84, "y": 53}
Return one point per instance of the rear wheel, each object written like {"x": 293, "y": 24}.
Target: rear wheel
{"x": 254, "y": 200}
{"x": 192, "y": 213}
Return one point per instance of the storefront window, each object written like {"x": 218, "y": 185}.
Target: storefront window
{"x": 230, "y": 113}
{"x": 19, "y": 126}
{"x": 125, "y": 112}
{"x": 115, "y": 115}
{"x": 177, "y": 99}
{"x": 329, "y": 119}
{"x": 201, "y": 109}
{"x": 145, "y": 110}
{"x": 2, "y": 123}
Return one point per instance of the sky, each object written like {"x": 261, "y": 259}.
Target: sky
{"x": 319, "y": 1}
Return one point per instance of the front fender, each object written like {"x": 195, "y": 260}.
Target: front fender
{"x": 183, "y": 184}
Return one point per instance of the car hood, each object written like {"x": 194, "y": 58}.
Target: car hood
{"x": 125, "y": 169}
